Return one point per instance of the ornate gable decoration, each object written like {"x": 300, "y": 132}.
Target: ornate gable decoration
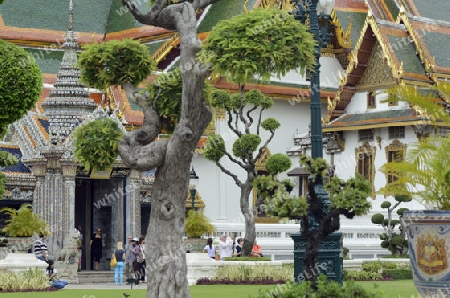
{"x": 261, "y": 163}
{"x": 378, "y": 72}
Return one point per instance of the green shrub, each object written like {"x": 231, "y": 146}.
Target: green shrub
{"x": 362, "y": 275}
{"x": 32, "y": 279}
{"x": 197, "y": 224}
{"x": 252, "y": 259}
{"x": 256, "y": 272}
{"x": 23, "y": 222}
{"x": 325, "y": 289}
{"x": 398, "y": 274}
{"x": 371, "y": 266}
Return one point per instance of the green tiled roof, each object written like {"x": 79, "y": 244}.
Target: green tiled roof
{"x": 222, "y": 10}
{"x": 48, "y": 61}
{"x": 89, "y": 16}
{"x": 406, "y": 53}
{"x": 434, "y": 9}
{"x": 393, "y": 8}
{"x": 154, "y": 46}
{"x": 357, "y": 19}
{"x": 374, "y": 118}
{"x": 121, "y": 19}
{"x": 438, "y": 45}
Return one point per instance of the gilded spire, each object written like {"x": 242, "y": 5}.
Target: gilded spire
{"x": 69, "y": 100}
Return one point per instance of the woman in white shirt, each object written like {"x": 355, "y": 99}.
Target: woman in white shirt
{"x": 210, "y": 248}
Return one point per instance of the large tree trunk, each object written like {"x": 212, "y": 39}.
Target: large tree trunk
{"x": 165, "y": 252}
{"x": 250, "y": 231}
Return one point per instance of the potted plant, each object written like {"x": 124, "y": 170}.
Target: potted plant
{"x": 23, "y": 223}
{"x": 425, "y": 175}
{"x": 197, "y": 224}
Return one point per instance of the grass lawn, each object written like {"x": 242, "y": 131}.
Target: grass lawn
{"x": 388, "y": 289}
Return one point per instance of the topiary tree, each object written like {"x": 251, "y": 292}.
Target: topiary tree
{"x": 392, "y": 239}
{"x": 96, "y": 143}
{"x": 253, "y": 46}
{"x": 20, "y": 88}
{"x": 20, "y": 84}
{"x": 318, "y": 220}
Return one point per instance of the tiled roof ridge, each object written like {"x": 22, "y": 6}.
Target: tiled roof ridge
{"x": 427, "y": 20}
{"x": 390, "y": 24}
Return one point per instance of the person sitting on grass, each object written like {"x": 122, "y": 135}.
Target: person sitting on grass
{"x": 53, "y": 276}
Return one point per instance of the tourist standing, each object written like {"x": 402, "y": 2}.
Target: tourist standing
{"x": 78, "y": 229}
{"x": 142, "y": 263}
{"x": 210, "y": 249}
{"x": 134, "y": 256}
{"x": 129, "y": 272}
{"x": 226, "y": 247}
{"x": 120, "y": 255}
{"x": 238, "y": 250}
{"x": 96, "y": 247}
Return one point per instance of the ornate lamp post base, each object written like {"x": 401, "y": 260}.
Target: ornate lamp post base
{"x": 329, "y": 261}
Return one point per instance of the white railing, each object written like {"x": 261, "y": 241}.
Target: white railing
{"x": 276, "y": 241}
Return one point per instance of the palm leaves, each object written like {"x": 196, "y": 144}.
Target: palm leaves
{"x": 425, "y": 172}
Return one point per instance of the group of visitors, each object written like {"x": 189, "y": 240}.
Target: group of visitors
{"x": 229, "y": 248}
{"x": 132, "y": 259}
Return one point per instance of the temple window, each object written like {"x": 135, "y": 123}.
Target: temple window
{"x": 365, "y": 135}
{"x": 395, "y": 152}
{"x": 396, "y": 132}
{"x": 371, "y": 100}
{"x": 365, "y": 157}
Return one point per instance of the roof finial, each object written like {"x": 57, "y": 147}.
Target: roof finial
{"x": 71, "y": 15}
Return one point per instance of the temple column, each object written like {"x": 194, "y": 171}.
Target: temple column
{"x": 133, "y": 212}
{"x": 68, "y": 199}
{"x": 54, "y": 195}
{"x": 40, "y": 204}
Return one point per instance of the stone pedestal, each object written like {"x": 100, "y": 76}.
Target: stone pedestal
{"x": 329, "y": 260}
{"x": 17, "y": 262}
{"x": 200, "y": 265}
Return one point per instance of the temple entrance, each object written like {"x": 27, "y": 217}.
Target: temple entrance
{"x": 99, "y": 204}
{"x": 145, "y": 217}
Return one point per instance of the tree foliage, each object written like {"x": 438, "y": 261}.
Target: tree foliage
{"x": 346, "y": 196}
{"x": 278, "y": 163}
{"x": 259, "y": 44}
{"x": 20, "y": 83}
{"x": 96, "y": 143}
{"x": 114, "y": 63}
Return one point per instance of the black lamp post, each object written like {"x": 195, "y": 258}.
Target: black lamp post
{"x": 329, "y": 260}
{"x": 193, "y": 181}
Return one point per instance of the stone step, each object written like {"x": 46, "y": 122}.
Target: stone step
{"x": 90, "y": 276}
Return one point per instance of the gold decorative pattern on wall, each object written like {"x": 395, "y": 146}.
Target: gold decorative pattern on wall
{"x": 378, "y": 71}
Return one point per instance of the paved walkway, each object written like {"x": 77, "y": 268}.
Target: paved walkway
{"x": 105, "y": 286}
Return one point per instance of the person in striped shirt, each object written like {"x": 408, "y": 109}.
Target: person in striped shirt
{"x": 40, "y": 248}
